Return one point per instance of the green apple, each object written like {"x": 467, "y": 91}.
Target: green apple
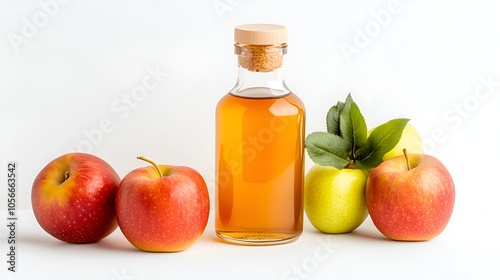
{"x": 334, "y": 200}
{"x": 410, "y": 140}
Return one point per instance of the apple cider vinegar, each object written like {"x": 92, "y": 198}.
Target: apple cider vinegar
{"x": 259, "y": 146}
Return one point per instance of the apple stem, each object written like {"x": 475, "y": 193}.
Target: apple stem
{"x": 152, "y": 162}
{"x": 351, "y": 166}
{"x": 406, "y": 158}
{"x": 66, "y": 175}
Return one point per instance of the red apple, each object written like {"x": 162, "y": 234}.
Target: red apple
{"x": 73, "y": 198}
{"x": 162, "y": 208}
{"x": 410, "y": 197}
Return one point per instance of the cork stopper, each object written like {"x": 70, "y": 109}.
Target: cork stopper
{"x": 260, "y": 47}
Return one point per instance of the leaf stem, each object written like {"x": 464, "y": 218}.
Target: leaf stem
{"x": 353, "y": 153}
{"x": 152, "y": 162}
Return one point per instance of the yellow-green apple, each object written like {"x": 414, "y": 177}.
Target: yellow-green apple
{"x": 334, "y": 200}
{"x": 73, "y": 198}
{"x": 410, "y": 198}
{"x": 162, "y": 208}
{"x": 410, "y": 140}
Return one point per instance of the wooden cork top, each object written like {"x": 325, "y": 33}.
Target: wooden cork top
{"x": 261, "y": 34}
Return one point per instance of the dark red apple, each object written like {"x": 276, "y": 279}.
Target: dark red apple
{"x": 73, "y": 198}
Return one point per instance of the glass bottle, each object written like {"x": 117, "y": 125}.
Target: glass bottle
{"x": 259, "y": 145}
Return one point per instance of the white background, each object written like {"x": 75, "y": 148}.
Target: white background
{"x": 79, "y": 61}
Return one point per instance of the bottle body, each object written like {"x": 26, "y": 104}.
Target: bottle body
{"x": 259, "y": 167}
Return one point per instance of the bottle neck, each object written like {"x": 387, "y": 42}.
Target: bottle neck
{"x": 260, "y": 71}
{"x": 260, "y": 84}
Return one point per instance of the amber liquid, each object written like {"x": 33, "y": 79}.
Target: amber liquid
{"x": 259, "y": 165}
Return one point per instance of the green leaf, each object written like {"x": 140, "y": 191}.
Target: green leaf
{"x": 333, "y": 118}
{"x": 352, "y": 124}
{"x": 327, "y": 149}
{"x": 368, "y": 163}
{"x": 382, "y": 139}
{"x": 346, "y": 113}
